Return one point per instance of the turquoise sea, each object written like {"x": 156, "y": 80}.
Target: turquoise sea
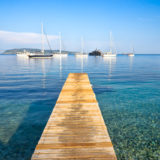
{"x": 127, "y": 89}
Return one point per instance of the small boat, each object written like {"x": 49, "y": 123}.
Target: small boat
{"x": 60, "y": 55}
{"x": 132, "y": 53}
{"x": 110, "y": 53}
{"x": 81, "y": 55}
{"x": 42, "y": 53}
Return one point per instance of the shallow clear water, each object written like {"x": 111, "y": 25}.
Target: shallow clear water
{"x": 127, "y": 89}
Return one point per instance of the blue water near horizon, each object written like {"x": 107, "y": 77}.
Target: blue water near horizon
{"x": 127, "y": 89}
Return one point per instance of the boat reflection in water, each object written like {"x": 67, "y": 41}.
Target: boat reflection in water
{"x": 59, "y": 60}
{"x": 22, "y": 60}
{"x": 110, "y": 61}
{"x": 81, "y": 60}
{"x": 43, "y": 74}
{"x": 131, "y": 59}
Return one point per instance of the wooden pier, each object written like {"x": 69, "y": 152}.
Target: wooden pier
{"x": 75, "y": 129}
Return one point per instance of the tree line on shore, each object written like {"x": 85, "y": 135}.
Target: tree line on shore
{"x": 32, "y": 50}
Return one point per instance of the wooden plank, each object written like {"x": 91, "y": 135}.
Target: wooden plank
{"x": 75, "y": 129}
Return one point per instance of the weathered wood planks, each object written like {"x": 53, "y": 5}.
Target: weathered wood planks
{"x": 75, "y": 129}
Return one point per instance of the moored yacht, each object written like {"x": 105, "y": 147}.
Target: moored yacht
{"x": 82, "y": 54}
{"x": 42, "y": 53}
{"x": 58, "y": 54}
{"x": 132, "y": 53}
{"x": 111, "y": 53}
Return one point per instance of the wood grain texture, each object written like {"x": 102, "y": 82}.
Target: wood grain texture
{"x": 75, "y": 129}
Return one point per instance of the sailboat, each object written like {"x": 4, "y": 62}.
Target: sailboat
{"x": 80, "y": 54}
{"x": 110, "y": 53}
{"x": 132, "y": 53}
{"x": 60, "y": 48}
{"x": 42, "y": 53}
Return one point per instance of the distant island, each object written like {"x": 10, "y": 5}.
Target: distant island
{"x": 95, "y": 53}
{"x": 33, "y": 50}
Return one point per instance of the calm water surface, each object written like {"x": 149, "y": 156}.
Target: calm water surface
{"x": 127, "y": 88}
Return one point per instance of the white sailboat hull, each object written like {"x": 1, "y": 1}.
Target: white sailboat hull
{"x": 131, "y": 55}
{"x": 81, "y": 55}
{"x": 60, "y": 55}
{"x": 109, "y": 55}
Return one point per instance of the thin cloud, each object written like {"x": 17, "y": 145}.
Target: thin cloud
{"x": 23, "y": 38}
{"x": 149, "y": 19}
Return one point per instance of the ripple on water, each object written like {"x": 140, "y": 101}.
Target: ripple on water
{"x": 127, "y": 91}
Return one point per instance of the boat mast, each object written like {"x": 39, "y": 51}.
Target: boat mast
{"x": 133, "y": 50}
{"x": 60, "y": 43}
{"x": 42, "y": 38}
{"x": 111, "y": 45}
{"x": 82, "y": 45}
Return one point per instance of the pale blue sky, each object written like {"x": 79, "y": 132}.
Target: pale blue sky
{"x": 132, "y": 22}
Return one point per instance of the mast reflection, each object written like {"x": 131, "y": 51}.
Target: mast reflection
{"x": 110, "y": 61}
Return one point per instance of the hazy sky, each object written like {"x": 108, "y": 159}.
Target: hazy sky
{"x": 132, "y": 22}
